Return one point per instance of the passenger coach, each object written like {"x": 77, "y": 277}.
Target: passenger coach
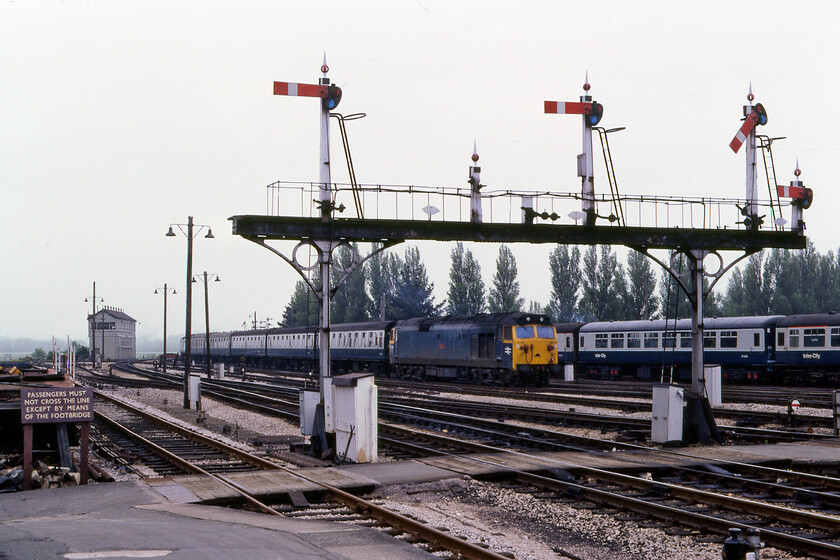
{"x": 809, "y": 347}
{"x": 742, "y": 346}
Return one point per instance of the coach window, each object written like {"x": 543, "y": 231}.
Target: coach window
{"x": 814, "y": 338}
{"x": 835, "y": 337}
{"x": 651, "y": 340}
{"x": 601, "y": 340}
{"x": 617, "y": 340}
{"x": 728, "y": 339}
{"x": 634, "y": 340}
{"x": 710, "y": 339}
{"x": 507, "y": 334}
{"x": 793, "y": 341}
{"x": 669, "y": 340}
{"x": 685, "y": 340}
{"x": 581, "y": 342}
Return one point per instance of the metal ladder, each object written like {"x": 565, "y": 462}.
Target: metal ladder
{"x": 766, "y": 146}
{"x": 618, "y": 210}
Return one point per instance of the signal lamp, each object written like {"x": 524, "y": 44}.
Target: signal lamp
{"x": 333, "y": 97}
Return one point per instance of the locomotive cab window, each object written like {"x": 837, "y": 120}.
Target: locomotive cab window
{"x": 546, "y": 332}
{"x": 524, "y": 332}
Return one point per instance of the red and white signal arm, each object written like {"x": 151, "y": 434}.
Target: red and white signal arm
{"x": 794, "y": 404}
{"x": 568, "y": 107}
{"x": 302, "y": 90}
{"x": 790, "y": 192}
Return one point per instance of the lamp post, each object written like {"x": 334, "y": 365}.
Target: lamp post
{"x": 166, "y": 290}
{"x": 93, "y": 325}
{"x": 204, "y": 279}
{"x": 190, "y": 233}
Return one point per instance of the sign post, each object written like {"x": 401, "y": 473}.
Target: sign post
{"x": 55, "y": 406}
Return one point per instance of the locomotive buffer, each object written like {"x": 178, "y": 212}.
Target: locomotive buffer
{"x": 327, "y": 231}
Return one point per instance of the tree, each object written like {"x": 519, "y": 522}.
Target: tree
{"x": 673, "y": 301}
{"x": 797, "y": 287}
{"x": 350, "y": 304}
{"x": 466, "y": 288}
{"x": 535, "y": 307}
{"x": 640, "y": 301}
{"x": 734, "y": 304}
{"x": 380, "y": 284}
{"x": 81, "y": 351}
{"x": 504, "y": 294}
{"x": 413, "y": 296}
{"x": 601, "y": 296}
{"x": 302, "y": 309}
{"x": 756, "y": 283}
{"x": 564, "y": 268}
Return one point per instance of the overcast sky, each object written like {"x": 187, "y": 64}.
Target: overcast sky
{"x": 119, "y": 118}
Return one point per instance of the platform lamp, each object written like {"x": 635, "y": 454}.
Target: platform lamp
{"x": 204, "y": 279}
{"x": 166, "y": 290}
{"x": 191, "y": 233}
{"x": 93, "y": 326}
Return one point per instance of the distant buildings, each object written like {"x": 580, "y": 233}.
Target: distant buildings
{"x": 115, "y": 335}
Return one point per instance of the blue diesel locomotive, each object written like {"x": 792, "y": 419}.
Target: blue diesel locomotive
{"x": 500, "y": 348}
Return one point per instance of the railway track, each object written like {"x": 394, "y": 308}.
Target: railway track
{"x": 797, "y": 512}
{"x": 776, "y": 501}
{"x": 752, "y": 425}
{"x": 180, "y": 450}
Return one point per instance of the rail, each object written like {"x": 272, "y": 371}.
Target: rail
{"x": 505, "y": 206}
